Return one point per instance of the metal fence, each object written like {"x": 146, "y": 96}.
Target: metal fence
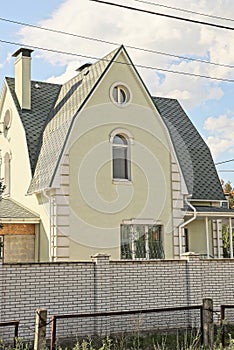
{"x": 14, "y": 324}
{"x": 117, "y": 322}
{"x": 226, "y": 323}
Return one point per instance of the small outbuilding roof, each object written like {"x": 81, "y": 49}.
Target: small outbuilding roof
{"x": 10, "y": 209}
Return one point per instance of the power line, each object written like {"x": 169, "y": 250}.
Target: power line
{"x": 226, "y": 171}
{"x": 185, "y": 10}
{"x": 115, "y": 43}
{"x": 165, "y": 15}
{"x": 123, "y": 63}
{"x": 225, "y": 161}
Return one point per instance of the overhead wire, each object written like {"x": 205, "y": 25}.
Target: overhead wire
{"x": 225, "y": 161}
{"x": 184, "y": 10}
{"x": 220, "y": 26}
{"x": 52, "y": 30}
{"x": 119, "y": 62}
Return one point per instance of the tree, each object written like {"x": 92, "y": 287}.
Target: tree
{"x": 229, "y": 194}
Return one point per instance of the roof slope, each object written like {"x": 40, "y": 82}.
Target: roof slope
{"x": 54, "y": 108}
{"x": 44, "y": 96}
{"x": 9, "y": 209}
{"x": 192, "y": 152}
{"x": 71, "y": 98}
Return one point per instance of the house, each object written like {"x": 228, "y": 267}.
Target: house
{"x": 99, "y": 165}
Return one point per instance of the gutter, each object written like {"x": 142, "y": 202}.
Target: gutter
{"x": 181, "y": 226}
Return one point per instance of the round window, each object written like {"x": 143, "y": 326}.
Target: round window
{"x": 120, "y": 94}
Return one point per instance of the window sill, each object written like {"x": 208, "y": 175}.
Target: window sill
{"x": 121, "y": 182}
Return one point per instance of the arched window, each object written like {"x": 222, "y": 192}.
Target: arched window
{"x": 121, "y": 162}
{"x": 7, "y": 173}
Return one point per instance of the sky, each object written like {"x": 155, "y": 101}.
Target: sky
{"x": 208, "y": 102}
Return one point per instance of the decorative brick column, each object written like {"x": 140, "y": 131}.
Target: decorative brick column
{"x": 102, "y": 292}
{"x": 194, "y": 277}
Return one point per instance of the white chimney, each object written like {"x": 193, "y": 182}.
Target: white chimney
{"x": 23, "y": 77}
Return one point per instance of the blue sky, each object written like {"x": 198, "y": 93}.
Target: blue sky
{"x": 209, "y": 103}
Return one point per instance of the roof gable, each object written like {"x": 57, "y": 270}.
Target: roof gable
{"x": 10, "y": 209}
{"x": 55, "y": 107}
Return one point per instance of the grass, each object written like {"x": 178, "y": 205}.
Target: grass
{"x": 189, "y": 340}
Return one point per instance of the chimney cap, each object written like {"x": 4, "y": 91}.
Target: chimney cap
{"x": 25, "y": 52}
{"x": 86, "y": 65}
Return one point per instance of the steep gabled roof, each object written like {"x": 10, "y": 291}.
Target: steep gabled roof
{"x": 54, "y": 108}
{"x": 43, "y": 98}
{"x": 192, "y": 152}
{"x": 71, "y": 99}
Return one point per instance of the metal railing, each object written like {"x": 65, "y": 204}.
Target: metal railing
{"x": 16, "y": 326}
{"x": 223, "y": 321}
{"x": 121, "y": 313}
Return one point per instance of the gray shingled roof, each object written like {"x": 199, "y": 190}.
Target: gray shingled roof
{"x": 9, "y": 209}
{"x": 54, "y": 109}
{"x": 71, "y": 98}
{"x": 44, "y": 96}
{"x": 214, "y": 210}
{"x": 192, "y": 152}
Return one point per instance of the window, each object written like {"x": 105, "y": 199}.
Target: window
{"x": 120, "y": 94}
{"x": 7, "y": 173}
{"x": 7, "y": 122}
{"x": 141, "y": 241}
{"x": 120, "y": 150}
{"x": 186, "y": 240}
{"x": 1, "y": 247}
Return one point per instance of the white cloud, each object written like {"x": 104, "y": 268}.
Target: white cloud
{"x": 220, "y": 134}
{"x": 143, "y": 30}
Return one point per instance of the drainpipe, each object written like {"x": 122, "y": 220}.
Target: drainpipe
{"x": 186, "y": 223}
{"x": 53, "y": 224}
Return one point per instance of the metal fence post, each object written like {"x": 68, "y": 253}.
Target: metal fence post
{"x": 16, "y": 332}
{"x": 222, "y": 318}
{"x": 40, "y": 331}
{"x": 208, "y": 324}
{"x": 53, "y": 333}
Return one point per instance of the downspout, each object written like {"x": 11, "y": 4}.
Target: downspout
{"x": 186, "y": 222}
{"x": 53, "y": 224}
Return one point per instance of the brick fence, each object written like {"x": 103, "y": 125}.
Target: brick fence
{"x": 105, "y": 285}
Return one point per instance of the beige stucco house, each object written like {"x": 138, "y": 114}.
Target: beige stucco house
{"x": 98, "y": 165}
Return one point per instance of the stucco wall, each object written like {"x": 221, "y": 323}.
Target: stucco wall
{"x": 98, "y": 205}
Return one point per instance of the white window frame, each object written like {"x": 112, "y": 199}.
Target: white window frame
{"x": 120, "y": 87}
{"x": 1, "y": 246}
{"x": 145, "y": 223}
{"x": 129, "y": 140}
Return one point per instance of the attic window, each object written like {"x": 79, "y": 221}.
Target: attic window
{"x": 120, "y": 94}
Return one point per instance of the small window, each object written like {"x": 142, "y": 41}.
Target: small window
{"x": 120, "y": 94}
{"x": 1, "y": 247}
{"x": 141, "y": 242}
{"x": 121, "y": 166}
{"x": 7, "y": 122}
{"x": 7, "y": 173}
{"x": 186, "y": 240}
